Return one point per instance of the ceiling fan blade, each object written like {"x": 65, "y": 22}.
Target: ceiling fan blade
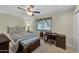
{"x": 36, "y": 12}
{"x": 21, "y": 8}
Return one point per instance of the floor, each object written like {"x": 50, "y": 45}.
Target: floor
{"x": 51, "y": 48}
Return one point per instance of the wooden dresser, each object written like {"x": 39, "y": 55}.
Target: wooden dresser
{"x": 4, "y": 43}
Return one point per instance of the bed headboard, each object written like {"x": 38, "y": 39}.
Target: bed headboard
{"x": 15, "y": 29}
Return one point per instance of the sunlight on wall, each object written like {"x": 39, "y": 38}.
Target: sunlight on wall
{"x": 28, "y": 22}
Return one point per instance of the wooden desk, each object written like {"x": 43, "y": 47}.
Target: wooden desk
{"x": 50, "y": 36}
{"x": 61, "y": 41}
{"x": 58, "y": 38}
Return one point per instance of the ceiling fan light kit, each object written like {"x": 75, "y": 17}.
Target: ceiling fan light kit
{"x": 30, "y": 10}
{"x": 29, "y": 13}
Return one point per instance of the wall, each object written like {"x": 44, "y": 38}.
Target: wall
{"x": 29, "y": 21}
{"x": 63, "y": 23}
{"x": 76, "y": 8}
{"x": 9, "y": 20}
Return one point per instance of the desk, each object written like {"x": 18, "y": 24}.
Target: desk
{"x": 60, "y": 39}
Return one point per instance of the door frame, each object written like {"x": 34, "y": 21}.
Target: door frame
{"x": 74, "y": 42}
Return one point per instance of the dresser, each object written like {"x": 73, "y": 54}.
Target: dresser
{"x": 4, "y": 43}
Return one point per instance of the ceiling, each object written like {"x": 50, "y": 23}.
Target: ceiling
{"x": 44, "y": 9}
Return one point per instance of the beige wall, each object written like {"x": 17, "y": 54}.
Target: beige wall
{"x": 29, "y": 21}
{"x": 77, "y": 8}
{"x": 63, "y": 23}
{"x": 9, "y": 20}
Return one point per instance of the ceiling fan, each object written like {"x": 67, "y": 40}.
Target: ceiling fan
{"x": 30, "y": 10}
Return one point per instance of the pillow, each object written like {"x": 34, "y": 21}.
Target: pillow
{"x": 13, "y": 36}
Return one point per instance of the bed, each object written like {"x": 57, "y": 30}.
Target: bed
{"x": 22, "y": 40}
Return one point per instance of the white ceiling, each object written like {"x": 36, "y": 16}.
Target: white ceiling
{"x": 44, "y": 9}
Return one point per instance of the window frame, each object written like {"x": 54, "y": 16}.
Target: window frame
{"x": 41, "y": 19}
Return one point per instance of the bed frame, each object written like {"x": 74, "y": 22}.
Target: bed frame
{"x": 30, "y": 48}
{"x": 21, "y": 49}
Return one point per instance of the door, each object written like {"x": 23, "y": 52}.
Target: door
{"x": 77, "y": 32}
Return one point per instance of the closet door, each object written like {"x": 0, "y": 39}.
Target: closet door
{"x": 77, "y": 32}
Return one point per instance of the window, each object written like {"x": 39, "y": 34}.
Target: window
{"x": 44, "y": 24}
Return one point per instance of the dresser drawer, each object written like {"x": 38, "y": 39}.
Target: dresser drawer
{"x": 4, "y": 46}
